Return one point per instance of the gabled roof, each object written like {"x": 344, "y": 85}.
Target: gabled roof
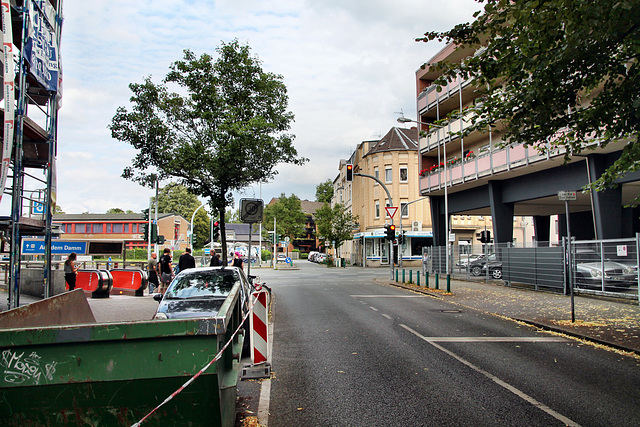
{"x": 396, "y": 139}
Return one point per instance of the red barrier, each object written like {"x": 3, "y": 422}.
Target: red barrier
{"x": 129, "y": 282}
{"x": 98, "y": 282}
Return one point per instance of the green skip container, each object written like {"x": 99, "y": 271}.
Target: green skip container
{"x": 116, "y": 373}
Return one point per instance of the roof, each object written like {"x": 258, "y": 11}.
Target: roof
{"x": 88, "y": 217}
{"x": 241, "y": 230}
{"x": 307, "y": 206}
{"x": 397, "y": 139}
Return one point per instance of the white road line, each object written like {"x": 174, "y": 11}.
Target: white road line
{"x": 373, "y": 308}
{"x": 494, "y": 339}
{"x": 498, "y": 381}
{"x": 388, "y": 317}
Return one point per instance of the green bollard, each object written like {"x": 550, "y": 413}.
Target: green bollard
{"x": 448, "y": 283}
{"x": 437, "y": 281}
{"x": 410, "y": 276}
{"x": 418, "y": 278}
{"x": 426, "y": 279}
{"x": 396, "y": 276}
{"x": 403, "y": 276}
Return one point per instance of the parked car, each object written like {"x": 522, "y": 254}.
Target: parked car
{"x": 480, "y": 265}
{"x": 312, "y": 256}
{"x": 465, "y": 259}
{"x": 616, "y": 275}
{"x": 200, "y": 292}
{"x": 281, "y": 258}
{"x": 320, "y": 258}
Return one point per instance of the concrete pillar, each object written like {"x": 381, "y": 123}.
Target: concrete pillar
{"x": 607, "y": 204}
{"x": 437, "y": 217}
{"x": 502, "y": 214}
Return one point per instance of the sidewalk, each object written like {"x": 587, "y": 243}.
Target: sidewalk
{"x": 612, "y": 323}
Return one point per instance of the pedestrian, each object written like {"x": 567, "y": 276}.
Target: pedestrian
{"x": 71, "y": 270}
{"x": 166, "y": 270}
{"x": 186, "y": 260}
{"x": 237, "y": 260}
{"x": 152, "y": 271}
{"x": 215, "y": 260}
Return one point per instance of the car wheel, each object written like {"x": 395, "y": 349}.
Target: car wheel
{"x": 497, "y": 274}
{"x": 476, "y": 271}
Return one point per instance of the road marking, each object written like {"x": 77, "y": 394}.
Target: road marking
{"x": 390, "y": 296}
{"x": 494, "y": 339}
{"x": 373, "y": 308}
{"x": 497, "y": 380}
{"x": 388, "y": 317}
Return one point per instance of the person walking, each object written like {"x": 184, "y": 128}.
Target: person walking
{"x": 152, "y": 271}
{"x": 215, "y": 260}
{"x": 237, "y": 260}
{"x": 71, "y": 270}
{"x": 166, "y": 270}
{"x": 186, "y": 260}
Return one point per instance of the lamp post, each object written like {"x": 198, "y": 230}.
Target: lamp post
{"x": 403, "y": 119}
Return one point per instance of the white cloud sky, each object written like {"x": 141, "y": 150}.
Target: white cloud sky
{"x": 349, "y": 66}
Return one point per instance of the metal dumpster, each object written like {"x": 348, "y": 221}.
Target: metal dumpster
{"x": 116, "y": 373}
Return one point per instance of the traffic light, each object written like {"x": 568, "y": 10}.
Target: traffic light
{"x": 484, "y": 236}
{"x": 145, "y": 232}
{"x": 215, "y": 232}
{"x": 390, "y": 231}
{"x": 401, "y": 237}
{"x": 145, "y": 214}
{"x": 349, "y": 172}
{"x": 160, "y": 239}
{"x": 193, "y": 240}
{"x": 154, "y": 233}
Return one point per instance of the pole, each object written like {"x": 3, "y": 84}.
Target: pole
{"x": 274, "y": 256}
{"x": 569, "y": 263}
{"x": 155, "y": 245}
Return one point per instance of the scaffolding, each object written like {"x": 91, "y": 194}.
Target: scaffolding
{"x": 32, "y": 90}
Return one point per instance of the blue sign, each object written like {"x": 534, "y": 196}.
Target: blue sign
{"x": 58, "y": 247}
{"x": 38, "y": 208}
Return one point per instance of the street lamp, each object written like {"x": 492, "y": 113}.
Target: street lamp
{"x": 403, "y": 119}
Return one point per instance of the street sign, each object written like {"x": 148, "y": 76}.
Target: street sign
{"x": 391, "y": 210}
{"x": 564, "y": 196}
{"x": 452, "y": 237}
{"x": 58, "y": 247}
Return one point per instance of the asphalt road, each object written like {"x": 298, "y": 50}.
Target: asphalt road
{"x": 350, "y": 352}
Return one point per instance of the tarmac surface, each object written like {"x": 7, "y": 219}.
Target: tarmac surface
{"x": 615, "y": 323}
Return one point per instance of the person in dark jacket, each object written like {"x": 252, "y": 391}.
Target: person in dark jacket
{"x": 186, "y": 260}
{"x": 215, "y": 260}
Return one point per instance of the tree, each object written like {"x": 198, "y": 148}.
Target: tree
{"x": 324, "y": 191}
{"x": 556, "y": 71}
{"x": 287, "y": 211}
{"x": 177, "y": 199}
{"x": 115, "y": 211}
{"x": 335, "y": 224}
{"x": 223, "y": 129}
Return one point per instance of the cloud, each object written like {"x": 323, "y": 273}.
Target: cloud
{"x": 348, "y": 67}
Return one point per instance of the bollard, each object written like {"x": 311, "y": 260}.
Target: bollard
{"x": 396, "y": 275}
{"x": 448, "y": 283}
{"x": 437, "y": 281}
{"x": 403, "y": 276}
{"x": 418, "y": 278}
{"x": 426, "y": 279}
{"x": 410, "y": 276}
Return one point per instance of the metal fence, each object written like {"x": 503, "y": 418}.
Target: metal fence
{"x": 604, "y": 267}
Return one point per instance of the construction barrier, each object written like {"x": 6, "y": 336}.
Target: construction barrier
{"x": 259, "y": 328}
{"x": 129, "y": 282}
{"x": 97, "y": 282}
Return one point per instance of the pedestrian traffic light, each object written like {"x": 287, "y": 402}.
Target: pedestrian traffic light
{"x": 390, "y": 231}
{"x": 215, "y": 232}
{"x": 154, "y": 233}
{"x": 160, "y": 239}
{"x": 349, "y": 172}
{"x": 145, "y": 232}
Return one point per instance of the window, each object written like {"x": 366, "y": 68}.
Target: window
{"x": 404, "y": 174}
{"x": 118, "y": 227}
{"x": 81, "y": 228}
{"x": 97, "y": 228}
{"x": 109, "y": 228}
{"x": 377, "y": 209}
{"x": 376, "y": 173}
{"x": 388, "y": 175}
{"x": 404, "y": 209}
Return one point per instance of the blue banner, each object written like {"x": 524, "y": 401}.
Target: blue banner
{"x": 58, "y": 247}
{"x": 41, "y": 47}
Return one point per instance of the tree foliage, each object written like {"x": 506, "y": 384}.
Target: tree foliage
{"x": 225, "y": 127}
{"x": 556, "y": 71}
{"x": 287, "y": 211}
{"x": 324, "y": 191}
{"x": 335, "y": 225}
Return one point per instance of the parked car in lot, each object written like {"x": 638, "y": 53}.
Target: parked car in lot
{"x": 200, "y": 292}
{"x": 466, "y": 259}
{"x": 481, "y": 264}
{"x": 616, "y": 275}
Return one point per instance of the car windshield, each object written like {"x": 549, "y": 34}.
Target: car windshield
{"x": 203, "y": 284}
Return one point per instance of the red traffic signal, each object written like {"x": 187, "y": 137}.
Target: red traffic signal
{"x": 349, "y": 172}
{"x": 390, "y": 231}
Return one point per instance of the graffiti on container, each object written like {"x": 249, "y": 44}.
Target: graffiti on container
{"x": 21, "y": 369}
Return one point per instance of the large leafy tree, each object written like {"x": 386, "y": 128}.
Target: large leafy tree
{"x": 324, "y": 191}
{"x": 556, "y": 71}
{"x": 225, "y": 126}
{"x": 335, "y": 225}
{"x": 287, "y": 211}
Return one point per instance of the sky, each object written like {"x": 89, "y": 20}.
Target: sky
{"x": 349, "y": 67}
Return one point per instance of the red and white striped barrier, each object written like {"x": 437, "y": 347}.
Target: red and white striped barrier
{"x": 259, "y": 327}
